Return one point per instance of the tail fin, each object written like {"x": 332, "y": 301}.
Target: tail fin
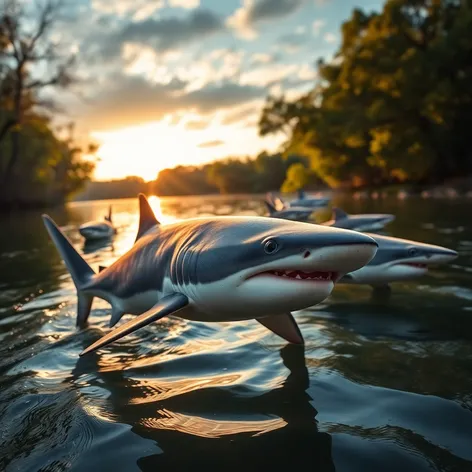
{"x": 147, "y": 218}
{"x": 108, "y": 218}
{"x": 338, "y": 214}
{"x": 80, "y": 271}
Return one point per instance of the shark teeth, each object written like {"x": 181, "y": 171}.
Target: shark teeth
{"x": 301, "y": 275}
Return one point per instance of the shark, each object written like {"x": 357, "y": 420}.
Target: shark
{"x": 361, "y": 222}
{"x": 294, "y": 214}
{"x": 298, "y": 204}
{"x": 398, "y": 260}
{"x": 215, "y": 269}
{"x": 96, "y": 230}
{"x": 304, "y": 201}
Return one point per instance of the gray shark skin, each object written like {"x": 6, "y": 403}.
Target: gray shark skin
{"x": 399, "y": 260}
{"x": 97, "y": 230}
{"x": 318, "y": 202}
{"x": 216, "y": 269}
{"x": 303, "y": 201}
{"x": 362, "y": 222}
{"x": 293, "y": 214}
{"x": 299, "y": 204}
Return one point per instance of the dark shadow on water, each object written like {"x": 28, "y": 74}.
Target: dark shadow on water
{"x": 393, "y": 319}
{"x": 290, "y": 436}
{"x": 92, "y": 246}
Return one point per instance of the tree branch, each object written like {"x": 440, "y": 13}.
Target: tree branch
{"x": 46, "y": 19}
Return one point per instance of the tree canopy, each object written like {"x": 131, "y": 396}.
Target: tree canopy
{"x": 37, "y": 167}
{"x": 394, "y": 105}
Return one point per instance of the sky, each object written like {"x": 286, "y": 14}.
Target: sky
{"x": 182, "y": 82}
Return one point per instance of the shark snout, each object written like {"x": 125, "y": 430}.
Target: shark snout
{"x": 387, "y": 219}
{"x": 442, "y": 255}
{"x": 344, "y": 252}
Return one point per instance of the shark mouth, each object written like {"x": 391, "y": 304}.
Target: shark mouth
{"x": 316, "y": 276}
{"x": 414, "y": 264}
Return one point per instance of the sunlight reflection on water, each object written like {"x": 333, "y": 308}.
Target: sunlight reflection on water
{"x": 377, "y": 380}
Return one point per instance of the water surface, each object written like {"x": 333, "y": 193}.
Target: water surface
{"x": 380, "y": 385}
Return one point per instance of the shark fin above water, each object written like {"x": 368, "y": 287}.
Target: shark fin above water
{"x": 108, "y": 217}
{"x": 147, "y": 218}
{"x": 284, "y": 326}
{"x": 339, "y": 214}
{"x": 167, "y": 306}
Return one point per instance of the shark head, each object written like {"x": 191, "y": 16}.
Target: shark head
{"x": 268, "y": 265}
{"x": 400, "y": 259}
{"x": 361, "y": 222}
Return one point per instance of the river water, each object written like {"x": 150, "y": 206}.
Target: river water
{"x": 381, "y": 385}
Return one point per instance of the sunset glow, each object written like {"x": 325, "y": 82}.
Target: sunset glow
{"x": 184, "y": 82}
{"x": 145, "y": 150}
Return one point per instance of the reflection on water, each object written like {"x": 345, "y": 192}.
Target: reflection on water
{"x": 382, "y": 384}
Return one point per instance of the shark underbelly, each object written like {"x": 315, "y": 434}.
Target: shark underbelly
{"x": 384, "y": 274}
{"x": 141, "y": 302}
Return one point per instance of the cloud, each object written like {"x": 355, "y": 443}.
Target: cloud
{"x": 134, "y": 9}
{"x": 216, "y": 142}
{"x": 269, "y": 74}
{"x": 262, "y": 58}
{"x": 252, "y": 12}
{"x": 195, "y": 125}
{"x": 131, "y": 100}
{"x": 317, "y": 26}
{"x": 330, "y": 38}
{"x": 166, "y": 33}
{"x": 292, "y": 42}
{"x": 163, "y": 34}
{"x": 189, "y": 4}
{"x": 240, "y": 114}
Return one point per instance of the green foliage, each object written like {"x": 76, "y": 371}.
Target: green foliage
{"x": 263, "y": 174}
{"x": 37, "y": 167}
{"x": 298, "y": 177}
{"x": 118, "y": 188}
{"x": 396, "y": 102}
{"x": 183, "y": 180}
{"x": 49, "y": 169}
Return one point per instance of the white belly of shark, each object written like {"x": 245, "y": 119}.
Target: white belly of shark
{"x": 216, "y": 269}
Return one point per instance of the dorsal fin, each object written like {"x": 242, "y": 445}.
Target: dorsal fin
{"x": 270, "y": 207}
{"x": 339, "y": 214}
{"x": 108, "y": 218}
{"x": 147, "y": 219}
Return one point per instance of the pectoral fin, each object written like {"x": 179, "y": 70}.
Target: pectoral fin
{"x": 116, "y": 314}
{"x": 167, "y": 306}
{"x": 284, "y": 326}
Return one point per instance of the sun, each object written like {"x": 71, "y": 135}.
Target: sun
{"x": 142, "y": 151}
{"x": 145, "y": 150}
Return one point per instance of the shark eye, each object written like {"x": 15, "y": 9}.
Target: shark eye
{"x": 412, "y": 251}
{"x": 271, "y": 246}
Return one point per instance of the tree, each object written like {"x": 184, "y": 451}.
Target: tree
{"x": 27, "y": 45}
{"x": 395, "y": 103}
{"x": 298, "y": 177}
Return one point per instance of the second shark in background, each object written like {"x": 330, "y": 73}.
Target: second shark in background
{"x": 98, "y": 230}
{"x": 361, "y": 222}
